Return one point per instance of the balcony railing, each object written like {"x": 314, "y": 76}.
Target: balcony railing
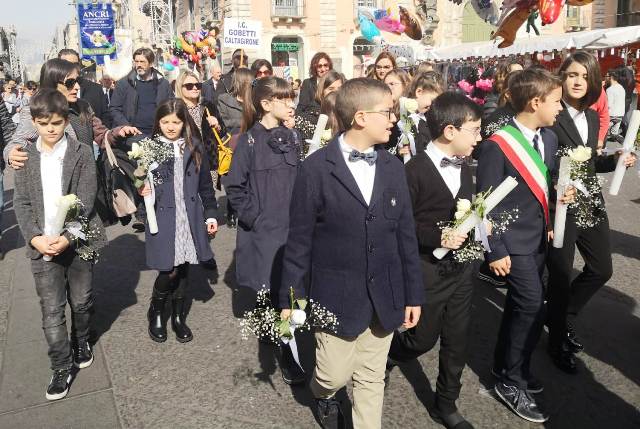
{"x": 287, "y": 8}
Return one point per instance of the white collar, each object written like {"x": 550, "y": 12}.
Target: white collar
{"x": 344, "y": 147}
{"x": 58, "y": 147}
{"x": 436, "y": 153}
{"x": 573, "y": 112}
{"x": 528, "y": 133}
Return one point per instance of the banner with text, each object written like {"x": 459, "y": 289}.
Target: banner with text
{"x": 242, "y": 34}
{"x": 96, "y": 29}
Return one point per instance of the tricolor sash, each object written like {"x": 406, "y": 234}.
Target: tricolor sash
{"x": 527, "y": 161}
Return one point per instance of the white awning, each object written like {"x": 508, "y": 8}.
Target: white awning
{"x": 594, "y": 39}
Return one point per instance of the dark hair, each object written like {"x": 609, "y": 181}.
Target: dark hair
{"x": 313, "y": 68}
{"x": 625, "y": 77}
{"x": 530, "y": 83}
{"x": 66, "y": 51}
{"x": 328, "y": 107}
{"x": 451, "y": 108}
{"x": 258, "y": 64}
{"x": 31, "y": 85}
{"x": 54, "y": 71}
{"x": 299, "y": 81}
{"x": 594, "y": 77}
{"x": 235, "y": 58}
{"x": 48, "y": 102}
{"x": 145, "y": 52}
{"x": 189, "y": 128}
{"x": 326, "y": 81}
{"x": 267, "y": 88}
{"x": 241, "y": 83}
{"x": 358, "y": 94}
{"x": 384, "y": 54}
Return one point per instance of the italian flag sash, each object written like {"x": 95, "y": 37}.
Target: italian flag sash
{"x": 527, "y": 161}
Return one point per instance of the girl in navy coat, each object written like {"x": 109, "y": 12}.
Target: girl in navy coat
{"x": 259, "y": 187}
{"x": 186, "y": 211}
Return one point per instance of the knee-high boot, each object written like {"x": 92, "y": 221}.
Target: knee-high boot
{"x": 157, "y": 325}
{"x": 178, "y": 315}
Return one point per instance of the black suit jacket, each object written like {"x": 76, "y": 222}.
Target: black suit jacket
{"x": 209, "y": 92}
{"x": 431, "y": 199}
{"x": 529, "y": 231}
{"x": 92, "y": 93}
{"x": 363, "y": 259}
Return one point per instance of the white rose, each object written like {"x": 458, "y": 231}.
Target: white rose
{"x": 135, "y": 152}
{"x": 463, "y": 205}
{"x": 409, "y": 104}
{"x": 326, "y": 135}
{"x": 580, "y": 154}
{"x": 298, "y": 317}
{"x": 460, "y": 214}
{"x": 68, "y": 200}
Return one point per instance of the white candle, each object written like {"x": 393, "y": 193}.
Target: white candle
{"x": 492, "y": 200}
{"x": 627, "y": 147}
{"x": 314, "y": 143}
{"x": 150, "y": 201}
{"x": 560, "y": 220}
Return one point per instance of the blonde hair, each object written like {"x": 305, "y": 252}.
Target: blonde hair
{"x": 184, "y": 74}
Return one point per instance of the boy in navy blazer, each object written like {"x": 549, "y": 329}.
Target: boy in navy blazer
{"x": 352, "y": 230}
{"x": 523, "y": 149}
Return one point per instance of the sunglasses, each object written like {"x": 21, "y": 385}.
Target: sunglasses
{"x": 69, "y": 83}
{"x": 260, "y": 73}
{"x": 190, "y": 86}
{"x": 323, "y": 66}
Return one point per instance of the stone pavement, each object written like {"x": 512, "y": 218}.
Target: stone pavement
{"x": 221, "y": 381}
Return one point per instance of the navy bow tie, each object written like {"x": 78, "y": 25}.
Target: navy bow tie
{"x": 454, "y": 162}
{"x": 370, "y": 157}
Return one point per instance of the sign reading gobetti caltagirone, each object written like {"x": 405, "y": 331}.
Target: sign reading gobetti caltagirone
{"x": 241, "y": 33}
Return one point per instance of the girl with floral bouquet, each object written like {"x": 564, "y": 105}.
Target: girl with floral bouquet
{"x": 577, "y": 127}
{"x": 259, "y": 186}
{"x": 186, "y": 211}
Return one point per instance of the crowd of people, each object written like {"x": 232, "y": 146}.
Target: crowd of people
{"x": 354, "y": 225}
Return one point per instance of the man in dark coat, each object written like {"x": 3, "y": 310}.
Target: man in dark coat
{"x": 210, "y": 86}
{"x": 89, "y": 91}
{"x": 239, "y": 60}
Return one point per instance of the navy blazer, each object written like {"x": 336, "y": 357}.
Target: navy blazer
{"x": 200, "y": 202}
{"x": 363, "y": 259}
{"x": 529, "y": 232}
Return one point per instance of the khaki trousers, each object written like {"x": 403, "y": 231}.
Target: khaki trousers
{"x": 363, "y": 360}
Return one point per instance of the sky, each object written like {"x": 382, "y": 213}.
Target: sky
{"x": 35, "y": 24}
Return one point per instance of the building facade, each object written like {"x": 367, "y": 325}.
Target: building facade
{"x": 10, "y": 65}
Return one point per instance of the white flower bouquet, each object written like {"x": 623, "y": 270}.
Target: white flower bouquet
{"x": 408, "y": 106}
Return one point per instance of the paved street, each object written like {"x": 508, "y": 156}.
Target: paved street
{"x": 221, "y": 381}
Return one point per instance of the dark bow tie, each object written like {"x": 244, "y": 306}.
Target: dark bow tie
{"x": 454, "y": 162}
{"x": 370, "y": 157}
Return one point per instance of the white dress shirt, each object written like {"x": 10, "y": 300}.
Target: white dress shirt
{"x": 529, "y": 134}
{"x": 616, "y": 98}
{"x": 580, "y": 120}
{"x": 51, "y": 177}
{"x": 364, "y": 173}
{"x": 450, "y": 174}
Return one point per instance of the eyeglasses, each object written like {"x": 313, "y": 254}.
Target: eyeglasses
{"x": 323, "y": 66}
{"x": 474, "y": 131}
{"x": 387, "y": 113}
{"x": 287, "y": 103}
{"x": 69, "y": 83}
{"x": 262, "y": 73}
{"x": 190, "y": 86}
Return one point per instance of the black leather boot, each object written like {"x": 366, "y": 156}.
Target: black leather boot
{"x": 157, "y": 325}
{"x": 183, "y": 333}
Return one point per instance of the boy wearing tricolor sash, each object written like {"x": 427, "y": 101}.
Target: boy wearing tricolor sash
{"x": 526, "y": 150}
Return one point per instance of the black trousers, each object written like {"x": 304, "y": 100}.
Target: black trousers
{"x": 445, "y": 315}
{"x": 522, "y": 319}
{"x": 567, "y": 296}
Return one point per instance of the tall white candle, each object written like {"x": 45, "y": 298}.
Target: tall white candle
{"x": 627, "y": 147}
{"x": 492, "y": 200}
{"x": 150, "y": 201}
{"x": 314, "y": 143}
{"x": 559, "y": 223}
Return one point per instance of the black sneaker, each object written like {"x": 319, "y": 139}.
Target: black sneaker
{"x": 59, "y": 384}
{"x": 329, "y": 413}
{"x": 82, "y": 355}
{"x": 573, "y": 342}
{"x": 520, "y": 402}
{"x": 486, "y": 275}
{"x": 138, "y": 226}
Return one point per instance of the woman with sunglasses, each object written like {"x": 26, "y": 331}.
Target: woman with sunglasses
{"x": 321, "y": 64}
{"x": 83, "y": 124}
{"x": 261, "y": 68}
{"x": 204, "y": 114}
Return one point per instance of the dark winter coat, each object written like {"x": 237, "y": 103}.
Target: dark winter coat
{"x": 207, "y": 135}
{"x": 200, "y": 201}
{"x": 124, "y": 101}
{"x": 259, "y": 187}
{"x": 231, "y": 112}
{"x": 7, "y": 127}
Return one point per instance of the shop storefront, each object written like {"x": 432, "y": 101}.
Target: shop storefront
{"x": 287, "y": 57}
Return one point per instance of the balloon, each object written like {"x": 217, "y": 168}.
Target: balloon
{"x": 178, "y": 43}
{"x": 390, "y": 25}
{"x": 368, "y": 29}
{"x": 550, "y": 10}
{"x": 189, "y": 49}
{"x": 175, "y": 60}
{"x": 509, "y": 25}
{"x": 168, "y": 66}
{"x": 411, "y": 24}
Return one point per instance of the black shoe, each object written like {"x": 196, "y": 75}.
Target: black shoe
{"x": 82, "y": 355}
{"x": 520, "y": 402}
{"x": 573, "y": 343}
{"x": 329, "y": 413}
{"x": 450, "y": 421}
{"x": 59, "y": 384}
{"x": 232, "y": 222}
{"x": 157, "y": 324}
{"x": 563, "y": 359}
{"x": 183, "y": 333}
{"x": 138, "y": 226}
{"x": 485, "y": 274}
{"x": 292, "y": 374}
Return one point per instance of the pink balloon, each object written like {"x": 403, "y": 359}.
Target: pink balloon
{"x": 175, "y": 61}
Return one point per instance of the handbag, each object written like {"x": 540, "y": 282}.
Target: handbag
{"x": 119, "y": 187}
{"x": 225, "y": 152}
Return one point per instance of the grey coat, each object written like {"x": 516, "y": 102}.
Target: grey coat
{"x": 200, "y": 201}
{"x": 78, "y": 177}
{"x": 230, "y": 112}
